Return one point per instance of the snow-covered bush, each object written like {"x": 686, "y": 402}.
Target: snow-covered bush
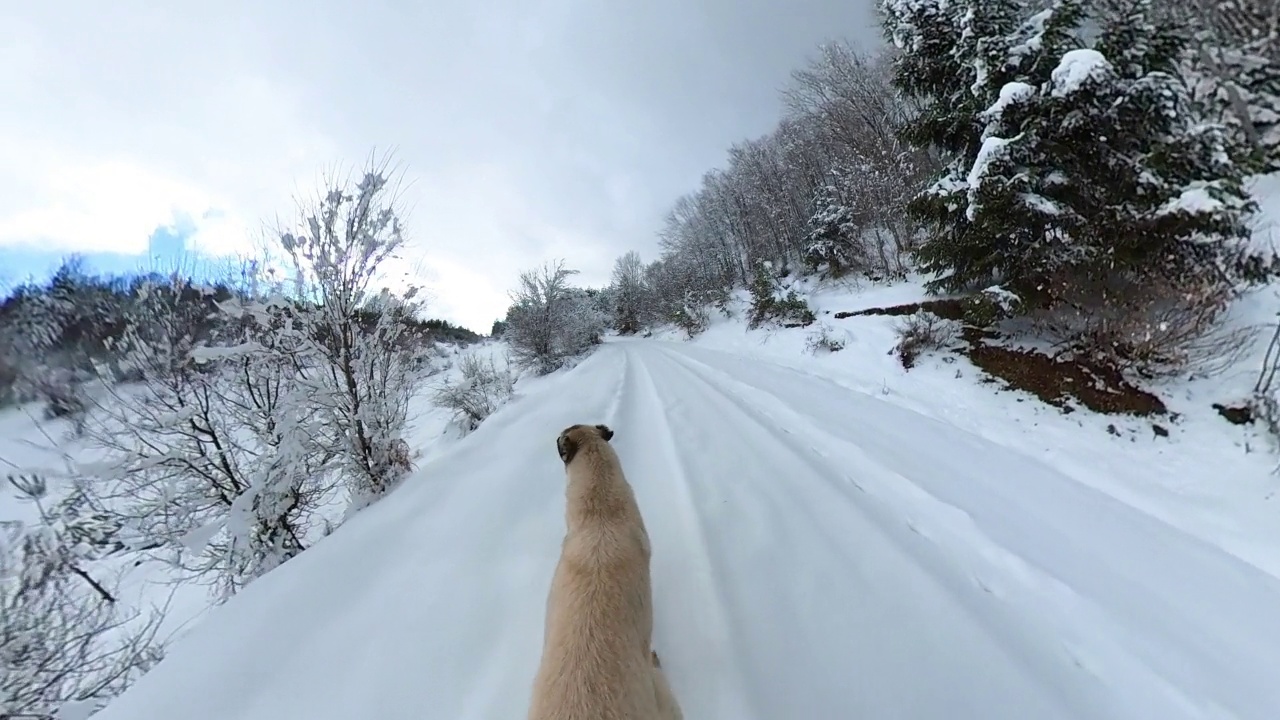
{"x": 65, "y": 644}
{"x": 481, "y": 390}
{"x": 769, "y": 302}
{"x": 219, "y": 460}
{"x": 222, "y": 456}
{"x": 690, "y": 314}
{"x": 990, "y": 306}
{"x": 824, "y": 339}
{"x": 550, "y": 321}
{"x": 362, "y": 337}
{"x": 922, "y": 332}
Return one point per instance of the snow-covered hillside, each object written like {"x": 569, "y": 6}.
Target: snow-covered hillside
{"x": 33, "y": 444}
{"x": 823, "y": 547}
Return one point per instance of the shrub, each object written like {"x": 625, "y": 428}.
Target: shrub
{"x": 482, "y": 389}
{"x": 768, "y": 304}
{"x": 990, "y": 306}
{"x": 921, "y": 332}
{"x": 824, "y": 339}
{"x": 1144, "y": 327}
{"x": 1265, "y": 405}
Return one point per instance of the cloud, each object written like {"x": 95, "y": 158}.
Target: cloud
{"x": 529, "y": 130}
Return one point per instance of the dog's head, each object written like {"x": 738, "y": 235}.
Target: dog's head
{"x": 573, "y": 437}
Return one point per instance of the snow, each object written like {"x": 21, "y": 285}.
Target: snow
{"x": 832, "y": 537}
{"x": 992, "y": 148}
{"x": 1010, "y": 93}
{"x": 1076, "y": 68}
{"x": 206, "y": 354}
{"x": 1193, "y": 199}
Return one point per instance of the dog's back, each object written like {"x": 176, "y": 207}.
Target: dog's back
{"x": 596, "y": 659}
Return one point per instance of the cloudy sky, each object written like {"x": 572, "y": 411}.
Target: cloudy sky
{"x": 527, "y": 129}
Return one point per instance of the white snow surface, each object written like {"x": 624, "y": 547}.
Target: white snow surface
{"x": 1010, "y": 93}
{"x": 1076, "y": 68}
{"x": 819, "y": 551}
{"x": 992, "y": 148}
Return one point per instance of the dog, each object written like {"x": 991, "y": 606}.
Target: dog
{"x": 597, "y": 657}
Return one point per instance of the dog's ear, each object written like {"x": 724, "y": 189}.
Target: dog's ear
{"x": 605, "y": 432}
{"x": 566, "y": 446}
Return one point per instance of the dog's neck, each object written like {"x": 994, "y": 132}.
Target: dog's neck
{"x": 595, "y": 486}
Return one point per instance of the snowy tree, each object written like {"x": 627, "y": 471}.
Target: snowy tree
{"x": 1088, "y": 174}
{"x": 772, "y": 302}
{"x": 630, "y": 293}
{"x": 858, "y": 223}
{"x": 1233, "y": 66}
{"x": 344, "y": 241}
{"x": 64, "y": 643}
{"x": 835, "y": 234}
{"x": 947, "y": 53}
{"x": 481, "y": 389}
{"x": 549, "y": 320}
{"x": 217, "y": 461}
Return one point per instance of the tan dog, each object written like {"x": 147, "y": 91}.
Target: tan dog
{"x": 597, "y": 663}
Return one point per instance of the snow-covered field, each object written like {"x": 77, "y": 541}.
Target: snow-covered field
{"x": 832, "y": 538}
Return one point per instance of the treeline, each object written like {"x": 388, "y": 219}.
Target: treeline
{"x": 59, "y": 334}
{"x": 1085, "y": 162}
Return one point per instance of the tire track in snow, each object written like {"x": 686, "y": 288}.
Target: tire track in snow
{"x": 1119, "y": 607}
{"x": 691, "y": 632}
{"x": 1086, "y": 632}
{"x": 820, "y": 592}
{"x": 1037, "y": 655}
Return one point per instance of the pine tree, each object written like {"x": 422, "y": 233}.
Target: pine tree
{"x": 1086, "y": 162}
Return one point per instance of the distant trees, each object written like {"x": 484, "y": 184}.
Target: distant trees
{"x": 60, "y": 337}
{"x": 824, "y": 192}
{"x": 550, "y": 321}
{"x": 631, "y": 296}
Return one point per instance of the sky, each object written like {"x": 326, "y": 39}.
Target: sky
{"x": 524, "y": 130}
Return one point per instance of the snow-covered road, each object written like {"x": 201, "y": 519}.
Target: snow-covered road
{"x": 818, "y": 553}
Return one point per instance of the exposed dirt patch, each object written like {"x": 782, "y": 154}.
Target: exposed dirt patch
{"x": 1056, "y": 382}
{"x": 950, "y": 309}
{"x": 1237, "y": 414}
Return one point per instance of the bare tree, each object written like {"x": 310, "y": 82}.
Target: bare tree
{"x": 63, "y": 643}
{"x": 550, "y": 321}
{"x": 216, "y": 460}
{"x": 630, "y": 293}
{"x": 364, "y": 335}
